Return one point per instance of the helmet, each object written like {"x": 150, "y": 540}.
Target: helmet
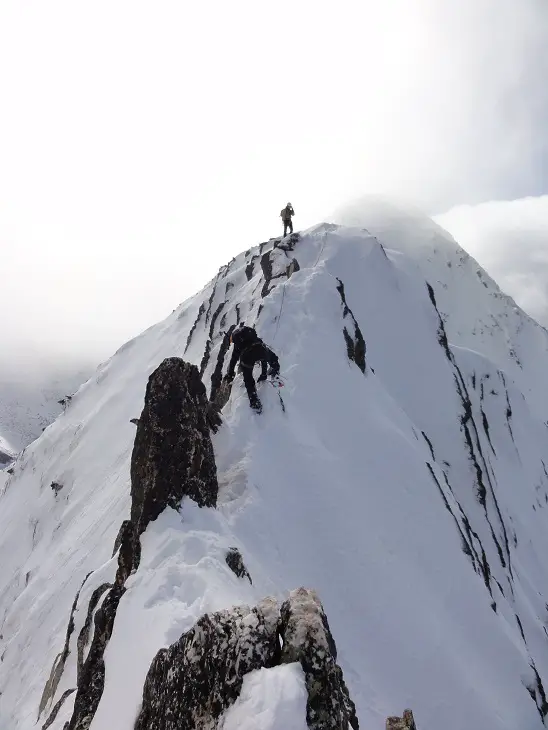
{"x": 289, "y": 205}
{"x": 244, "y": 334}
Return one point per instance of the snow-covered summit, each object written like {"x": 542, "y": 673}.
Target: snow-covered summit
{"x": 407, "y": 485}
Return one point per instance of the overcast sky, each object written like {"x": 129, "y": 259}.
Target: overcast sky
{"x": 143, "y": 144}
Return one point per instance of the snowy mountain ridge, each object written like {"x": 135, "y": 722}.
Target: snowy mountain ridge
{"x": 406, "y": 482}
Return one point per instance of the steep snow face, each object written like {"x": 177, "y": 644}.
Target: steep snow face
{"x": 28, "y": 405}
{"x": 477, "y": 315}
{"x": 407, "y": 485}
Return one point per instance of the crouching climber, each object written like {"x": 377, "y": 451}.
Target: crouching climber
{"x": 249, "y": 349}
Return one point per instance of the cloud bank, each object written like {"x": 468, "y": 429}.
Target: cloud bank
{"x": 142, "y": 145}
{"x": 510, "y": 240}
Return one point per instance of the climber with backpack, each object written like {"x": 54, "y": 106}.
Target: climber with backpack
{"x": 249, "y": 349}
{"x": 286, "y": 215}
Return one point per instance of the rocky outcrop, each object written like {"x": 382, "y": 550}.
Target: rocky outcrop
{"x": 59, "y": 662}
{"x": 355, "y": 343}
{"x": 406, "y": 722}
{"x": 173, "y": 454}
{"x": 218, "y": 393}
{"x": 284, "y": 270}
{"x": 235, "y": 562}
{"x": 307, "y": 639}
{"x": 172, "y": 459}
{"x": 51, "y": 719}
{"x": 191, "y": 684}
{"x": 56, "y": 487}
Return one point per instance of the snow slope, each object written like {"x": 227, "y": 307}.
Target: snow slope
{"x": 29, "y": 403}
{"x": 411, "y": 496}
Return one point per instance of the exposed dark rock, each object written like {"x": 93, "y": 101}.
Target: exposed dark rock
{"x": 217, "y": 377}
{"x": 249, "y": 268}
{"x": 214, "y": 318}
{"x": 289, "y": 243}
{"x": 201, "y": 312}
{"x": 205, "y": 358}
{"x": 173, "y": 454}
{"x": 520, "y": 625}
{"x": 509, "y": 414}
{"x": 307, "y": 639}
{"x": 190, "y": 684}
{"x": 6, "y": 459}
{"x": 56, "y": 486}
{"x": 429, "y": 445}
{"x": 266, "y": 266}
{"x": 129, "y": 555}
{"x": 214, "y": 420}
{"x": 407, "y": 722}
{"x": 65, "y": 402}
{"x": 485, "y": 423}
{"x": 235, "y": 562}
{"x": 222, "y": 394}
{"x": 57, "y": 707}
{"x": 135, "y": 421}
{"x": 59, "y": 662}
{"x": 355, "y": 344}
{"x": 124, "y": 527}
{"x": 172, "y": 458}
{"x": 540, "y": 694}
{"x": 467, "y": 545}
{"x": 432, "y": 296}
{"x": 292, "y": 268}
{"x": 83, "y": 636}
{"x": 484, "y": 480}
{"x": 226, "y": 268}
{"x": 92, "y": 676}
{"x": 212, "y": 296}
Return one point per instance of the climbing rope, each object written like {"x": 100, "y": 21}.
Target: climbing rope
{"x": 280, "y": 312}
{"x": 283, "y": 290}
{"x": 322, "y": 248}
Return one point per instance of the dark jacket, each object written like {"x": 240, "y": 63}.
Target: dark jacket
{"x": 286, "y": 213}
{"x": 251, "y": 351}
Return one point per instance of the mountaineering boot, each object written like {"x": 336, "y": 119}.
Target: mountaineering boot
{"x": 255, "y": 403}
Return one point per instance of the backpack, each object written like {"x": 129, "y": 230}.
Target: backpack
{"x": 244, "y": 336}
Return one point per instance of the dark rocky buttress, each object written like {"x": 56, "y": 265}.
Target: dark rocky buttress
{"x": 307, "y": 639}
{"x": 173, "y": 454}
{"x": 193, "y": 682}
{"x": 190, "y": 684}
{"x": 172, "y": 459}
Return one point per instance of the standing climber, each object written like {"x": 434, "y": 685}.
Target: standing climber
{"x": 249, "y": 349}
{"x": 286, "y": 215}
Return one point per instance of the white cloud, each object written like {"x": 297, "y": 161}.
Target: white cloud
{"x": 510, "y": 240}
{"x": 144, "y": 144}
